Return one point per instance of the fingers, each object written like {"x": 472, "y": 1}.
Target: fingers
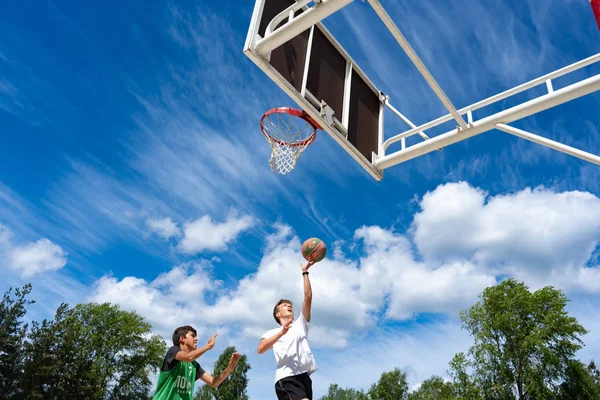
{"x": 234, "y": 360}
{"x": 285, "y": 328}
{"x": 212, "y": 339}
{"x": 306, "y": 266}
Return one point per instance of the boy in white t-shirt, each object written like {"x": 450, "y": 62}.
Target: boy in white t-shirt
{"x": 295, "y": 361}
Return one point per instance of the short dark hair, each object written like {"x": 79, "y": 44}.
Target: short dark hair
{"x": 280, "y": 302}
{"x": 182, "y": 331}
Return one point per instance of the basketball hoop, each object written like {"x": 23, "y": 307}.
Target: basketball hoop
{"x": 289, "y": 132}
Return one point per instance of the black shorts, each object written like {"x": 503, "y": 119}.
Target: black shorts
{"x": 295, "y": 387}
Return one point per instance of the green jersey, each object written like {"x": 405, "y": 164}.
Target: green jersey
{"x": 176, "y": 378}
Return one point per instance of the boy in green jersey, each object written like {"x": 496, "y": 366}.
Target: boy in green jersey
{"x": 179, "y": 370}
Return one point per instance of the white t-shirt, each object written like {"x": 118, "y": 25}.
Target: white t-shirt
{"x": 292, "y": 352}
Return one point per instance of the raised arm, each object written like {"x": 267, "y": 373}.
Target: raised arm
{"x": 192, "y": 355}
{"x": 307, "y": 302}
{"x": 214, "y": 382}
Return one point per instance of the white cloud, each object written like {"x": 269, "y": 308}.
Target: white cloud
{"x": 168, "y": 301}
{"x": 539, "y": 235}
{"x": 389, "y": 271}
{"x": 164, "y": 228}
{"x": 204, "y": 234}
{"x": 347, "y": 295}
{"x": 37, "y": 257}
{"x": 31, "y": 258}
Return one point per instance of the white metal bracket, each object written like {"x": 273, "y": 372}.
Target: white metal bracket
{"x": 550, "y": 143}
{"x": 327, "y": 113}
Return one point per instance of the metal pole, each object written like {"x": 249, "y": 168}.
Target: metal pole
{"x": 398, "y": 113}
{"x": 383, "y": 15}
{"x": 534, "y": 106}
{"x": 550, "y": 143}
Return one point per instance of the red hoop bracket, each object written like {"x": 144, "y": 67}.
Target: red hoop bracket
{"x": 296, "y": 113}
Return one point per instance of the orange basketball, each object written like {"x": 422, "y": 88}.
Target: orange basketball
{"x": 314, "y": 249}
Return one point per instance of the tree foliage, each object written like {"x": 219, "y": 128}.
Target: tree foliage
{"x": 234, "y": 386}
{"x": 335, "y": 392}
{"x": 434, "y": 388}
{"x": 48, "y": 365}
{"x": 580, "y": 382}
{"x": 93, "y": 351}
{"x": 523, "y": 340}
{"x": 391, "y": 386}
{"x": 12, "y": 333}
{"x": 465, "y": 386}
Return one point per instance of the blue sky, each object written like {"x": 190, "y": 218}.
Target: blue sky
{"x": 132, "y": 170}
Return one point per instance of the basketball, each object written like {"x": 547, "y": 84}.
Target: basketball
{"x": 314, "y": 249}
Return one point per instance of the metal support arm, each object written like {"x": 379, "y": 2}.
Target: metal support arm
{"x": 383, "y": 15}
{"x": 534, "y": 106}
{"x": 550, "y": 143}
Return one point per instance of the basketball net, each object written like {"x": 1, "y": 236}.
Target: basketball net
{"x": 289, "y": 132}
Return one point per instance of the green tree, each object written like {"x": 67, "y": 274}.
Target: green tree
{"x": 523, "y": 340}
{"x": 434, "y": 388}
{"x": 48, "y": 367}
{"x": 465, "y": 386}
{"x": 337, "y": 393}
{"x": 94, "y": 351}
{"x": 391, "y": 386}
{"x": 234, "y": 386}
{"x": 12, "y": 333}
{"x": 580, "y": 383}
{"x": 594, "y": 373}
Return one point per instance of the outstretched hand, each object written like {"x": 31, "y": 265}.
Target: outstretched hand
{"x": 233, "y": 361}
{"x": 211, "y": 341}
{"x": 306, "y": 266}
{"x": 285, "y": 328}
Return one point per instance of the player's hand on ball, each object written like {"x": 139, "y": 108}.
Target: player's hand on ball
{"x": 211, "y": 341}
{"x": 306, "y": 266}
